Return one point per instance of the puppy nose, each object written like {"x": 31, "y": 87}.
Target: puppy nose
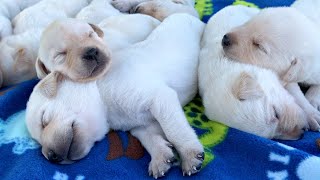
{"x": 53, "y": 157}
{"x": 91, "y": 54}
{"x": 226, "y": 42}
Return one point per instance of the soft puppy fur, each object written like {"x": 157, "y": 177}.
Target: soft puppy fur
{"x": 243, "y": 96}
{"x": 18, "y": 55}
{"x": 97, "y": 11}
{"x": 45, "y": 12}
{"x": 286, "y": 41}
{"x": 142, "y": 91}
{"x": 8, "y": 10}
{"x": 159, "y": 9}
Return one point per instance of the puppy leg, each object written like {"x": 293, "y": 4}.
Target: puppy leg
{"x": 313, "y": 95}
{"x": 160, "y": 150}
{"x": 126, "y": 5}
{"x": 167, "y": 110}
{"x": 312, "y": 113}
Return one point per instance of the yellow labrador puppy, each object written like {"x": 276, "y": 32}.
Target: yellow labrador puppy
{"x": 142, "y": 92}
{"x": 86, "y": 53}
{"x": 286, "y": 41}
{"x": 244, "y": 96}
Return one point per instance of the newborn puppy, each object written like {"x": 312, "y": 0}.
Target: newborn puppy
{"x": 243, "y": 96}
{"x": 97, "y": 11}
{"x": 45, "y": 12}
{"x": 143, "y": 92}
{"x": 285, "y": 41}
{"x": 18, "y": 54}
{"x": 68, "y": 125}
{"x": 159, "y": 9}
{"x": 84, "y": 56}
{"x": 88, "y": 60}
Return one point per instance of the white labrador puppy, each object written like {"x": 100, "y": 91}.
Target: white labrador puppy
{"x": 87, "y": 60}
{"x": 286, "y": 41}
{"x": 8, "y": 10}
{"x": 243, "y": 96}
{"x": 142, "y": 92}
{"x": 159, "y": 9}
{"x": 97, "y": 11}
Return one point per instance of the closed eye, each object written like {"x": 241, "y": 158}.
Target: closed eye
{"x": 61, "y": 54}
{"x": 276, "y": 114}
{"x": 259, "y": 46}
{"x": 43, "y": 121}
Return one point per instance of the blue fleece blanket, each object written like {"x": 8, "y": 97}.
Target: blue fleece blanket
{"x": 230, "y": 154}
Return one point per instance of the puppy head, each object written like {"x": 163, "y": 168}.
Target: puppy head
{"x": 272, "y": 39}
{"x": 280, "y": 117}
{"x": 74, "y": 48}
{"x": 160, "y": 9}
{"x": 16, "y": 61}
{"x": 65, "y": 117}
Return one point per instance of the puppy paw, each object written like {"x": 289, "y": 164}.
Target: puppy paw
{"x": 192, "y": 158}
{"x": 314, "y": 99}
{"x": 122, "y": 5}
{"x": 162, "y": 161}
{"x": 314, "y": 120}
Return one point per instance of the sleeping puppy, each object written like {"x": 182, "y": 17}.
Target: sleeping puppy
{"x": 45, "y": 12}
{"x": 94, "y": 49}
{"x": 285, "y": 41}
{"x": 18, "y": 55}
{"x": 97, "y": 11}
{"x": 8, "y": 10}
{"x": 159, "y": 9}
{"x": 243, "y": 96}
{"x": 142, "y": 92}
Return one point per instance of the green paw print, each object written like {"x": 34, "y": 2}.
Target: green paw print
{"x": 245, "y": 3}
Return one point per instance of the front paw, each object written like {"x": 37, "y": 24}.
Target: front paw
{"x": 314, "y": 120}
{"x": 162, "y": 162}
{"x": 122, "y": 5}
{"x": 192, "y": 158}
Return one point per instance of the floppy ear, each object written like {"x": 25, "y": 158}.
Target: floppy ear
{"x": 294, "y": 72}
{"x": 247, "y": 88}
{"x": 41, "y": 69}
{"x": 49, "y": 85}
{"x": 22, "y": 61}
{"x": 97, "y": 30}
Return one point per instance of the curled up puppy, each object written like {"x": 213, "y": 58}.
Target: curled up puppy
{"x": 142, "y": 91}
{"x": 286, "y": 41}
{"x": 243, "y": 96}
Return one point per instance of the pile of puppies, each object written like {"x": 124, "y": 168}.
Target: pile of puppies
{"x": 103, "y": 68}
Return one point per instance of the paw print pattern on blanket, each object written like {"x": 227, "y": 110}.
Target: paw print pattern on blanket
{"x": 204, "y": 7}
{"x": 212, "y": 133}
{"x": 14, "y": 130}
{"x": 245, "y": 3}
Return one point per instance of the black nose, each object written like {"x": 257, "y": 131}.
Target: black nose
{"x": 53, "y": 157}
{"x": 91, "y": 54}
{"x": 226, "y": 42}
